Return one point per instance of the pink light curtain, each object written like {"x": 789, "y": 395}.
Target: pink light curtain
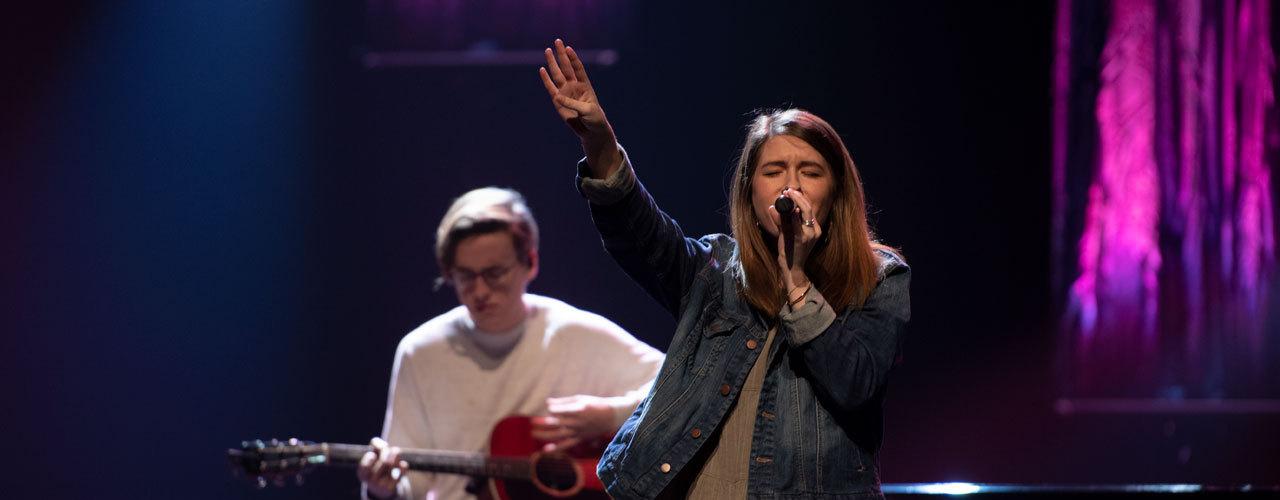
{"x": 1163, "y": 215}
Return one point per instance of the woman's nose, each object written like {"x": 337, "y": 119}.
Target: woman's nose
{"x": 793, "y": 181}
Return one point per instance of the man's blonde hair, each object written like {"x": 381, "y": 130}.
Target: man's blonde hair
{"x": 482, "y": 211}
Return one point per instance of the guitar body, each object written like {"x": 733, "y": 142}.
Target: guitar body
{"x": 512, "y": 438}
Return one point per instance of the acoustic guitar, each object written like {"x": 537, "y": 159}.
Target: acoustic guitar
{"x": 515, "y": 467}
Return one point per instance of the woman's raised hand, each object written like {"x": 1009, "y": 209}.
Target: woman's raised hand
{"x": 576, "y": 102}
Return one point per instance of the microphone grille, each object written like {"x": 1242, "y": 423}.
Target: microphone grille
{"x": 784, "y": 205}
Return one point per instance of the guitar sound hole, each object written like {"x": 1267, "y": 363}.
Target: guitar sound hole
{"x": 556, "y": 472}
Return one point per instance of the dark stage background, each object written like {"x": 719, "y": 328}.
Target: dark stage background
{"x": 217, "y": 225}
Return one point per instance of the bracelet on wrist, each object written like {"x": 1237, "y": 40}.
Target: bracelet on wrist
{"x": 792, "y": 302}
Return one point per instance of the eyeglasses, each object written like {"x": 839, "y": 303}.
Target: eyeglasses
{"x": 493, "y": 276}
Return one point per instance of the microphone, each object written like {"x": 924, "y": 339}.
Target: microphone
{"x": 784, "y": 206}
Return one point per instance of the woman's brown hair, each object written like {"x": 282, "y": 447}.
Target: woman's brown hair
{"x": 843, "y": 264}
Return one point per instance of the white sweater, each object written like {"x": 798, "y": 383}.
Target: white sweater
{"x": 451, "y": 384}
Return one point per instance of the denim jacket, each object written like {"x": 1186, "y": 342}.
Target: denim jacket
{"x": 819, "y": 423}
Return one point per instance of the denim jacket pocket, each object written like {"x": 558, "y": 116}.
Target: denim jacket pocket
{"x": 718, "y": 326}
{"x": 712, "y": 341}
{"x": 715, "y": 320}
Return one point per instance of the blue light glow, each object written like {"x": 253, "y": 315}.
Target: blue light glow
{"x": 950, "y": 488}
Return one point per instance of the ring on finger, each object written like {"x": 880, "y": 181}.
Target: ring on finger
{"x": 809, "y": 223}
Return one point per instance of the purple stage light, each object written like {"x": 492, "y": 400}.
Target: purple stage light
{"x": 405, "y": 33}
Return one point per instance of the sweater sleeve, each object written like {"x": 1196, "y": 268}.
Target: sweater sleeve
{"x": 608, "y": 362}
{"x": 406, "y": 423}
{"x": 808, "y": 318}
{"x": 631, "y": 366}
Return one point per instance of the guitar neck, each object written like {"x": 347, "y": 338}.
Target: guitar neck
{"x": 452, "y": 462}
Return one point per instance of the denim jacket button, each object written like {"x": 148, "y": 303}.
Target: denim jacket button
{"x": 724, "y": 390}
{"x": 665, "y": 468}
{"x": 751, "y": 344}
{"x": 696, "y": 433}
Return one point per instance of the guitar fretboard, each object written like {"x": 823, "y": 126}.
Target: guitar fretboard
{"x": 452, "y": 462}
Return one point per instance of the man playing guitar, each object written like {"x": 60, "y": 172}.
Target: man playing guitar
{"x": 502, "y": 352}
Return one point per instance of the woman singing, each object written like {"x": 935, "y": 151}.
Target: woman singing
{"x": 786, "y": 330}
